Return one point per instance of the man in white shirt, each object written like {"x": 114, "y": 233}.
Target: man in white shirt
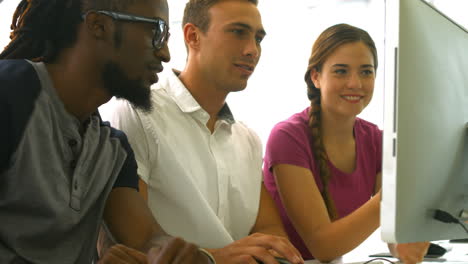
{"x": 200, "y": 167}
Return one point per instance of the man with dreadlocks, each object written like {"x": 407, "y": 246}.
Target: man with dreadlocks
{"x": 62, "y": 169}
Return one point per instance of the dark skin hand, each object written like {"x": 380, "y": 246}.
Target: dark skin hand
{"x": 118, "y": 254}
{"x": 174, "y": 251}
{"x": 143, "y": 235}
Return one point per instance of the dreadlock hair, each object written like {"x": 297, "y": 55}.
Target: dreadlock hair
{"x": 196, "y": 12}
{"x": 41, "y": 29}
{"x": 330, "y": 39}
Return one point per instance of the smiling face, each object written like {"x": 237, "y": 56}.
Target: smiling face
{"x": 230, "y": 49}
{"x": 346, "y": 80}
{"x": 134, "y": 65}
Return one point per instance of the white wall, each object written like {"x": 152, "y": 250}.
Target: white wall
{"x": 276, "y": 90}
{"x": 7, "y": 8}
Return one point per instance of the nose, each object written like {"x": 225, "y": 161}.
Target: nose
{"x": 354, "y": 81}
{"x": 164, "y": 53}
{"x": 253, "y": 49}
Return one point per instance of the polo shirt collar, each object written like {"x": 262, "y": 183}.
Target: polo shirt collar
{"x": 185, "y": 101}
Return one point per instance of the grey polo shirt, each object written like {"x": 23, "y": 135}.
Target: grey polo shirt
{"x": 54, "y": 182}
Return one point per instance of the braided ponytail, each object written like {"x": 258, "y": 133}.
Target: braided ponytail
{"x": 316, "y": 144}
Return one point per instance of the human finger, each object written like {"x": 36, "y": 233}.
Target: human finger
{"x": 166, "y": 254}
{"x": 189, "y": 253}
{"x": 137, "y": 255}
{"x": 412, "y": 252}
{"x": 117, "y": 254}
{"x": 280, "y": 245}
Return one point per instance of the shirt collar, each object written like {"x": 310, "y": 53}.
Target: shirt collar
{"x": 226, "y": 114}
{"x": 185, "y": 101}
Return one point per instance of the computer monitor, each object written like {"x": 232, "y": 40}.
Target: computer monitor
{"x": 425, "y": 139}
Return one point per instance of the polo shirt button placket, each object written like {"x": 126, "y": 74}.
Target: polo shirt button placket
{"x": 75, "y": 202}
{"x": 73, "y": 164}
{"x": 72, "y": 143}
{"x": 75, "y": 195}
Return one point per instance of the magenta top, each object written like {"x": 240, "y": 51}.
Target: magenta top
{"x": 289, "y": 143}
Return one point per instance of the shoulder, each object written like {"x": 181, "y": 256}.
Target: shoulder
{"x": 295, "y": 126}
{"x": 117, "y": 134}
{"x": 116, "y": 108}
{"x": 366, "y": 127}
{"x": 122, "y": 115}
{"x": 369, "y": 134}
{"x": 18, "y": 80}
{"x": 14, "y": 69}
{"x": 127, "y": 176}
{"x": 167, "y": 84}
{"x": 289, "y": 142}
{"x": 290, "y": 135}
{"x": 121, "y": 137}
{"x": 19, "y": 89}
{"x": 242, "y": 131}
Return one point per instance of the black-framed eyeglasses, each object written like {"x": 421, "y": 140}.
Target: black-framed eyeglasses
{"x": 161, "y": 32}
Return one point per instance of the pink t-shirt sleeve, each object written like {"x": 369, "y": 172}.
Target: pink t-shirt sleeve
{"x": 288, "y": 144}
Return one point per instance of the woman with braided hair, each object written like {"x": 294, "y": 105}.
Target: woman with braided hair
{"x": 63, "y": 171}
{"x": 323, "y": 165}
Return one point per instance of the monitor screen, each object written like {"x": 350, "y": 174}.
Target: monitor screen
{"x": 425, "y": 142}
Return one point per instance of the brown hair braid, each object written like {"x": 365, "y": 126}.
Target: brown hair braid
{"x": 330, "y": 39}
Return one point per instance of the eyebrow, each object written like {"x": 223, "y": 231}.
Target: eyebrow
{"x": 346, "y": 65}
{"x": 248, "y": 27}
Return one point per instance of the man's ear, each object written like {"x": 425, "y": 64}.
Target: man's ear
{"x": 315, "y": 77}
{"x": 99, "y": 26}
{"x": 192, "y": 36}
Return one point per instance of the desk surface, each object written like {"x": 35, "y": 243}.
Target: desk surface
{"x": 457, "y": 253}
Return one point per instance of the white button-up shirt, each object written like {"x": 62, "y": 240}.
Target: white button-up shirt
{"x": 202, "y": 186}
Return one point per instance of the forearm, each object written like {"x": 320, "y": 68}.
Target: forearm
{"x": 268, "y": 218}
{"x": 130, "y": 221}
{"x": 153, "y": 238}
{"x": 340, "y": 237}
{"x": 273, "y": 229}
